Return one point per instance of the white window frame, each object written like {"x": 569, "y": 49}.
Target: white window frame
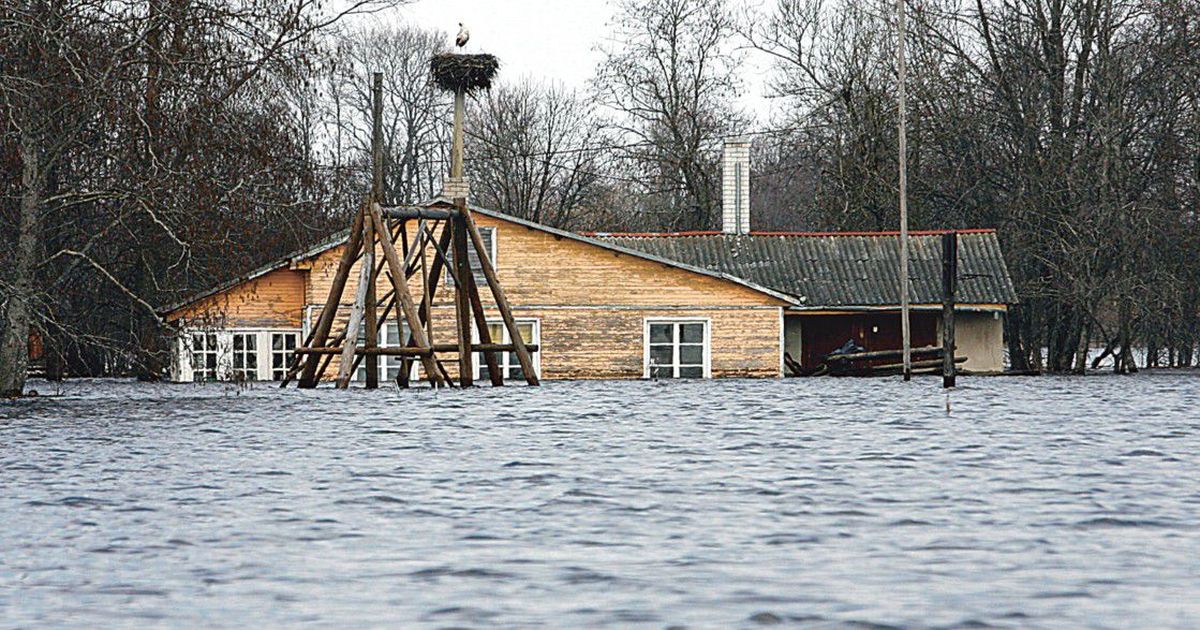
{"x": 189, "y": 352}
{"x": 646, "y": 323}
{"x": 271, "y": 352}
{"x": 224, "y": 351}
{"x": 360, "y": 375}
{"x": 492, "y": 254}
{"x": 240, "y": 373}
{"x": 505, "y": 366}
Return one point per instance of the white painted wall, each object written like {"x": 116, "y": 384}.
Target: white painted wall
{"x": 735, "y": 186}
{"x": 980, "y": 338}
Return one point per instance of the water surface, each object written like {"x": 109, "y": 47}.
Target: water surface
{"x": 1046, "y": 502}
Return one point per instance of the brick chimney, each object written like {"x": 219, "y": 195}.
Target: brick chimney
{"x": 735, "y": 186}
{"x": 455, "y": 187}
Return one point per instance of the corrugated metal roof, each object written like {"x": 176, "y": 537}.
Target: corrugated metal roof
{"x": 840, "y": 270}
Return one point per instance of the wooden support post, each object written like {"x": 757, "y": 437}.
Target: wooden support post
{"x": 408, "y": 307}
{"x": 377, "y": 138}
{"x": 346, "y": 367}
{"x": 402, "y": 351}
{"x": 370, "y": 314}
{"x": 485, "y": 334}
{"x": 949, "y": 282}
{"x": 435, "y": 276}
{"x": 310, "y": 375}
{"x": 441, "y": 247}
{"x": 462, "y": 304}
{"x": 371, "y": 325}
{"x": 905, "y": 328}
{"x": 502, "y": 304}
{"x": 456, "y": 152}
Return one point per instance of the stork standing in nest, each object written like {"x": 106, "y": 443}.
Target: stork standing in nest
{"x": 463, "y": 36}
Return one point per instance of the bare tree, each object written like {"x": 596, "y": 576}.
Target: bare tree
{"x": 147, "y": 169}
{"x": 670, "y": 80}
{"x": 539, "y": 152}
{"x": 1065, "y": 123}
{"x": 415, "y": 113}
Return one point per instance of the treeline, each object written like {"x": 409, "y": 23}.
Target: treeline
{"x": 150, "y": 148}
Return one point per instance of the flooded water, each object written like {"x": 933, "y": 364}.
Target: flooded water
{"x": 823, "y": 502}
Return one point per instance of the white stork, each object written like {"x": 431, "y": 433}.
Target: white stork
{"x": 463, "y": 35}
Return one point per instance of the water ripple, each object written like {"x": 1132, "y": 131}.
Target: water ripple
{"x": 824, "y": 503}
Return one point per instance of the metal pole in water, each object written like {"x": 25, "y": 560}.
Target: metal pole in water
{"x": 904, "y": 307}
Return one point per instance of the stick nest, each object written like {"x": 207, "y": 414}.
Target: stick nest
{"x": 453, "y": 72}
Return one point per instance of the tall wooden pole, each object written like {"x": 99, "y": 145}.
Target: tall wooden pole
{"x": 949, "y": 282}
{"x": 462, "y": 305}
{"x": 456, "y": 157}
{"x": 369, "y": 306}
{"x": 904, "y": 307}
{"x": 377, "y": 138}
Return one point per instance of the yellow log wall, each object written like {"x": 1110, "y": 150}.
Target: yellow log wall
{"x": 273, "y": 300}
{"x": 591, "y": 304}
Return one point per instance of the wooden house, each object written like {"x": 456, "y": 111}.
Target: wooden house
{"x": 680, "y": 305}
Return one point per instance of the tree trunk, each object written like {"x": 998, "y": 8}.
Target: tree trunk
{"x": 14, "y": 346}
{"x": 1081, "y": 351}
{"x": 1016, "y": 352}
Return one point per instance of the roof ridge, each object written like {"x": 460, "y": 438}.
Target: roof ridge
{"x": 784, "y": 233}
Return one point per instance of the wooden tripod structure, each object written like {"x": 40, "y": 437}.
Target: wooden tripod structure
{"x": 445, "y": 232}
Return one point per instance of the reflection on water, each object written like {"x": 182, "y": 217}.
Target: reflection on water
{"x": 1036, "y": 502}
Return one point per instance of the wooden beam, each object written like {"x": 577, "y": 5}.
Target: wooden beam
{"x": 418, "y": 213}
{"x": 370, "y": 323}
{"x": 345, "y": 368}
{"x": 485, "y": 334}
{"x": 949, "y": 280}
{"x": 400, "y": 282}
{"x": 435, "y": 276}
{"x": 879, "y": 354}
{"x": 308, "y": 378}
{"x": 502, "y": 304}
{"x": 462, "y": 304}
{"x": 411, "y": 351}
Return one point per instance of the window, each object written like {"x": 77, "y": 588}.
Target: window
{"x": 488, "y": 235}
{"x": 509, "y": 364}
{"x": 391, "y": 335}
{"x": 677, "y": 348}
{"x": 204, "y": 357}
{"x": 282, "y": 345}
{"x": 245, "y": 356}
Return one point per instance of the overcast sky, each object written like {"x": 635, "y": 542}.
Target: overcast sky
{"x": 544, "y": 39}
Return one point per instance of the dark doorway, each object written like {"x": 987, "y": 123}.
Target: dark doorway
{"x": 822, "y": 334}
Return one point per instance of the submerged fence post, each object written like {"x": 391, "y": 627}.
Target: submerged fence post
{"x": 949, "y": 279}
